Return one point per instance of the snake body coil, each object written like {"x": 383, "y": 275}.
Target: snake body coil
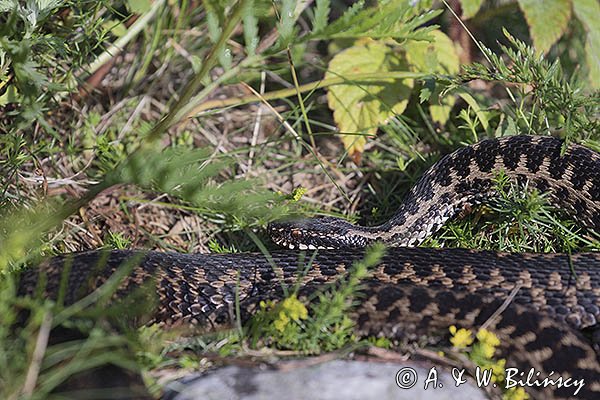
{"x": 412, "y": 291}
{"x": 466, "y": 177}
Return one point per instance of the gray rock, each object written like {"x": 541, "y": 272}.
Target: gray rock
{"x": 338, "y": 379}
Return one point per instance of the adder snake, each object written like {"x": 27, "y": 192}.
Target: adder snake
{"x": 412, "y": 291}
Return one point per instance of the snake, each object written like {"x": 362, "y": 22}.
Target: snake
{"x": 544, "y": 308}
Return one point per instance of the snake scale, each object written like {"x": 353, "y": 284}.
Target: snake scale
{"x": 412, "y": 291}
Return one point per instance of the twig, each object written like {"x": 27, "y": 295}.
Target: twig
{"x": 179, "y": 109}
{"x": 283, "y": 93}
{"x": 503, "y": 307}
{"x": 118, "y": 46}
{"x": 478, "y": 44}
{"x": 285, "y": 124}
{"x": 256, "y": 126}
{"x": 322, "y": 161}
{"x": 38, "y": 355}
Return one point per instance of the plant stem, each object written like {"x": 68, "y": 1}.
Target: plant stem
{"x": 367, "y": 78}
{"x": 193, "y": 85}
{"x": 120, "y": 44}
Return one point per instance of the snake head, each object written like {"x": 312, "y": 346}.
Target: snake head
{"x": 316, "y": 233}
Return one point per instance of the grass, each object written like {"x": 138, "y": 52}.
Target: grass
{"x": 170, "y": 149}
{"x": 518, "y": 220}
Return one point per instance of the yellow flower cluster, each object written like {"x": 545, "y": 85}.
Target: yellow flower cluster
{"x": 487, "y": 343}
{"x": 298, "y": 193}
{"x": 482, "y": 353}
{"x": 291, "y": 309}
{"x": 461, "y": 338}
{"x": 498, "y": 370}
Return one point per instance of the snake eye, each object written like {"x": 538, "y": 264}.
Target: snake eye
{"x": 296, "y": 234}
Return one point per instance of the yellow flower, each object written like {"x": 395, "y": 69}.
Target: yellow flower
{"x": 498, "y": 370}
{"x": 487, "y": 343}
{"x": 291, "y": 309}
{"x": 294, "y": 308}
{"x": 488, "y": 337}
{"x": 298, "y": 193}
{"x": 281, "y": 322}
{"x": 461, "y": 338}
{"x": 486, "y": 350}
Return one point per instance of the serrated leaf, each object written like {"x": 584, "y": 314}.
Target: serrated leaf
{"x": 547, "y": 20}
{"x": 588, "y": 12}
{"x": 321, "y": 15}
{"x": 438, "y": 56}
{"x": 288, "y": 18}
{"x": 214, "y": 17}
{"x": 470, "y": 7}
{"x": 358, "y": 107}
{"x": 250, "y": 25}
{"x": 391, "y": 19}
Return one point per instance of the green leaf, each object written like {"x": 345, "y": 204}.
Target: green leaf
{"x": 547, "y": 20}
{"x": 359, "y": 108}
{"x": 438, "y": 56}
{"x": 139, "y": 6}
{"x": 11, "y": 95}
{"x": 46, "y": 5}
{"x": 507, "y": 127}
{"x": 250, "y": 24}
{"x": 321, "y": 15}
{"x": 426, "y": 90}
{"x": 115, "y": 27}
{"x": 392, "y": 19}
{"x": 288, "y": 19}
{"x": 588, "y": 12}
{"x": 470, "y": 7}
{"x": 481, "y": 114}
{"x": 215, "y": 19}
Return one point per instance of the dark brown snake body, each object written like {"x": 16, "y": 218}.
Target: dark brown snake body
{"x": 546, "y": 299}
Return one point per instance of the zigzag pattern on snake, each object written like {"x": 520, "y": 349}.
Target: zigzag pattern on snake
{"x": 413, "y": 291}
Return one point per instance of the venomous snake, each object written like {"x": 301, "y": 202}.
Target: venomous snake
{"x": 412, "y": 291}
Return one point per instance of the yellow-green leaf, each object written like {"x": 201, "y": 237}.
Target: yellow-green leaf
{"x": 360, "y": 107}
{"x": 547, "y": 20}
{"x": 470, "y": 7}
{"x": 438, "y": 56}
{"x": 117, "y": 28}
{"x": 140, "y": 6}
{"x": 481, "y": 114}
{"x": 588, "y": 12}
{"x": 11, "y": 95}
